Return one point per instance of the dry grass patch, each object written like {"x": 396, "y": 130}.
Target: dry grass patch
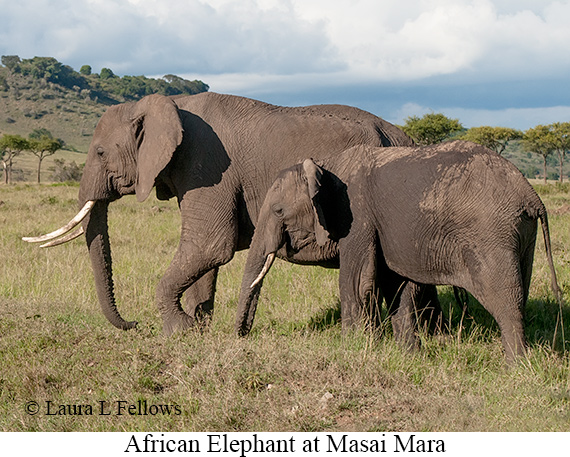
{"x": 295, "y": 372}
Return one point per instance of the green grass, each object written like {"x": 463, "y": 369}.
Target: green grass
{"x": 295, "y": 372}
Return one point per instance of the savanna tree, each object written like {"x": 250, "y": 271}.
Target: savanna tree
{"x": 432, "y": 128}
{"x": 537, "y": 141}
{"x": 494, "y": 138}
{"x": 10, "y": 147}
{"x": 43, "y": 145}
{"x": 559, "y": 136}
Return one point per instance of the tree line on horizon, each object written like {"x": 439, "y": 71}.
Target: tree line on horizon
{"x": 543, "y": 140}
{"x": 432, "y": 128}
{"x": 105, "y": 86}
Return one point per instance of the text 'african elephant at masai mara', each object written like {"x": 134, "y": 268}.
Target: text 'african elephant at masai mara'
{"x": 218, "y": 155}
{"x": 452, "y": 214}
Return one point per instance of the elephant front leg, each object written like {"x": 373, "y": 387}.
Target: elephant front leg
{"x": 360, "y": 295}
{"x": 187, "y": 267}
{"x": 409, "y": 302}
{"x": 168, "y": 294}
{"x": 208, "y": 240}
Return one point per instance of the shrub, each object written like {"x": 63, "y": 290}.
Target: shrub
{"x": 63, "y": 172}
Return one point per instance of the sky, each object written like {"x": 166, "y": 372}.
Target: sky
{"x": 484, "y": 62}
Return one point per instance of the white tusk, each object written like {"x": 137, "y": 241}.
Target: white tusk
{"x": 66, "y": 228}
{"x": 64, "y": 239}
{"x": 268, "y": 262}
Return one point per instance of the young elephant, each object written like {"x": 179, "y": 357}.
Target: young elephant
{"x": 455, "y": 213}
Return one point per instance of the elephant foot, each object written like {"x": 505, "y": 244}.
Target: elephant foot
{"x": 514, "y": 354}
{"x": 405, "y": 335}
{"x": 202, "y": 314}
{"x": 409, "y": 344}
{"x": 432, "y": 322}
{"x": 177, "y": 323}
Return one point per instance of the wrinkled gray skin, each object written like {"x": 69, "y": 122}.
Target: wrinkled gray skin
{"x": 218, "y": 155}
{"x": 455, "y": 214}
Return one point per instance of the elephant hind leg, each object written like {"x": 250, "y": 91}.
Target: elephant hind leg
{"x": 503, "y": 291}
{"x": 510, "y": 321}
{"x": 404, "y": 320}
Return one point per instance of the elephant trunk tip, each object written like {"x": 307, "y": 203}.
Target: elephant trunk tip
{"x": 128, "y": 325}
{"x": 242, "y": 329}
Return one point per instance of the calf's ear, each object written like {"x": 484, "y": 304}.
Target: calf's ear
{"x": 158, "y": 131}
{"x": 313, "y": 173}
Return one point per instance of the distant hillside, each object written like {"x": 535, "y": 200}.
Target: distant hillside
{"x": 44, "y": 93}
{"x": 531, "y": 165}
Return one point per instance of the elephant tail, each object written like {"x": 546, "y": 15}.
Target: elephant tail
{"x": 543, "y": 216}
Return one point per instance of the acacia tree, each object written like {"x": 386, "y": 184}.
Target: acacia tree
{"x": 494, "y": 138}
{"x": 43, "y": 147}
{"x": 432, "y": 128}
{"x": 537, "y": 140}
{"x": 559, "y": 136}
{"x": 10, "y": 147}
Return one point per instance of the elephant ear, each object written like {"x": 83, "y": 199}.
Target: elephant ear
{"x": 158, "y": 131}
{"x": 313, "y": 174}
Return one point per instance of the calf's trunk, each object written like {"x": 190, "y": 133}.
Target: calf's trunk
{"x": 259, "y": 260}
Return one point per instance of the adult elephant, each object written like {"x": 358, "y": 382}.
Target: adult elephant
{"x": 218, "y": 155}
{"x": 455, "y": 213}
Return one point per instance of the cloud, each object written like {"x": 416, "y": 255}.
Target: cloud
{"x": 148, "y": 36}
{"x": 477, "y": 54}
{"x": 363, "y": 40}
{"x": 384, "y": 41}
{"x": 96, "y": 32}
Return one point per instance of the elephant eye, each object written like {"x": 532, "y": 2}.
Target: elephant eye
{"x": 100, "y": 151}
{"x": 278, "y": 210}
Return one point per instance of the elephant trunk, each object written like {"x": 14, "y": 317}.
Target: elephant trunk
{"x": 259, "y": 260}
{"x": 256, "y": 268}
{"x": 97, "y": 236}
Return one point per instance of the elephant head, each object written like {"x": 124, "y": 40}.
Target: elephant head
{"x": 304, "y": 214}
{"x": 132, "y": 144}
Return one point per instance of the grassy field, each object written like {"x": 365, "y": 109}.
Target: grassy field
{"x": 295, "y": 372}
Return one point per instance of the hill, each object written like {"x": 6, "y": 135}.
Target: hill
{"x": 44, "y": 93}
